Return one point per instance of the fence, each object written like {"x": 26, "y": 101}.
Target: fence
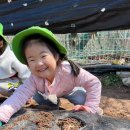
{"x": 98, "y": 47}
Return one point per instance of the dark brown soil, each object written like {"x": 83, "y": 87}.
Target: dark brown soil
{"x": 69, "y": 124}
{"x": 41, "y": 119}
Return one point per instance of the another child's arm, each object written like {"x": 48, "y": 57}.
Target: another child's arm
{"x": 93, "y": 87}
{"x": 23, "y": 71}
{"x": 17, "y": 100}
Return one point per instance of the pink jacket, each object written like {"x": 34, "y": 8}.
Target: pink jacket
{"x": 63, "y": 83}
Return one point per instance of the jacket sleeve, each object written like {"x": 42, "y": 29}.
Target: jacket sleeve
{"x": 23, "y": 71}
{"x": 17, "y": 100}
{"x": 92, "y": 85}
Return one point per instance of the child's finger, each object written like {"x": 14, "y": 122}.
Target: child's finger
{"x": 80, "y": 108}
{"x": 77, "y": 108}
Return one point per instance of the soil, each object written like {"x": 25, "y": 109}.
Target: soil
{"x": 69, "y": 124}
{"x": 42, "y": 120}
{"x": 115, "y": 102}
{"x": 25, "y": 120}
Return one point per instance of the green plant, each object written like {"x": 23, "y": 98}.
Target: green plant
{"x": 111, "y": 80}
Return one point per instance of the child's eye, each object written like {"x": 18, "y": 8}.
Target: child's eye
{"x": 30, "y": 60}
{"x": 43, "y": 56}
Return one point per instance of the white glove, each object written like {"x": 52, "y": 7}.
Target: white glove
{"x": 53, "y": 98}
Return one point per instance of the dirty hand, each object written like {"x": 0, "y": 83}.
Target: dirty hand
{"x": 80, "y": 108}
{"x": 30, "y": 102}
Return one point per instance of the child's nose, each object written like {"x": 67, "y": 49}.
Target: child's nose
{"x": 39, "y": 62}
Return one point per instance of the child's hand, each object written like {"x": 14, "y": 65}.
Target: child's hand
{"x": 80, "y": 108}
{"x": 31, "y": 102}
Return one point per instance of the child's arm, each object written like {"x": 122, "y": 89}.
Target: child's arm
{"x": 93, "y": 87}
{"x": 17, "y": 100}
{"x": 23, "y": 71}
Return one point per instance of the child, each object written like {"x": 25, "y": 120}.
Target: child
{"x": 51, "y": 73}
{"x": 12, "y": 72}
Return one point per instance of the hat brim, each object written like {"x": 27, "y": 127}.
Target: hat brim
{"x": 17, "y": 43}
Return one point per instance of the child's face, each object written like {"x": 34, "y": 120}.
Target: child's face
{"x": 41, "y": 61}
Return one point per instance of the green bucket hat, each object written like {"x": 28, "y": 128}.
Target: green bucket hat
{"x": 1, "y": 33}
{"x": 17, "y": 42}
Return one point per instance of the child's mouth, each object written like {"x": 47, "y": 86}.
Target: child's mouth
{"x": 43, "y": 69}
